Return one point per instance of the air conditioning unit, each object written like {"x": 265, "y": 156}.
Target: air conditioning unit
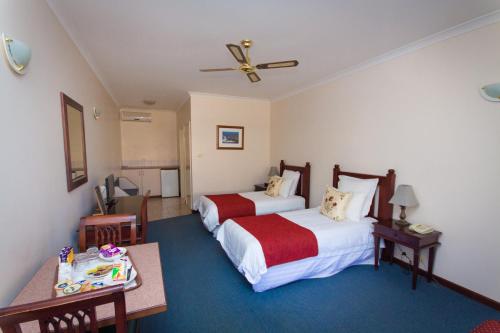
{"x": 136, "y": 116}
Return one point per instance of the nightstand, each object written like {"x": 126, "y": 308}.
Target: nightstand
{"x": 260, "y": 187}
{"x": 394, "y": 233}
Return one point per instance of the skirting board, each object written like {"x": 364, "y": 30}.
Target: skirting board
{"x": 455, "y": 287}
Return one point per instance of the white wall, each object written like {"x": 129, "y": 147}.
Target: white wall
{"x": 228, "y": 171}
{"x": 422, "y": 115}
{"x": 154, "y": 142}
{"x": 39, "y": 216}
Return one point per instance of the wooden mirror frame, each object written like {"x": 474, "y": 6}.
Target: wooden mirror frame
{"x": 72, "y": 183}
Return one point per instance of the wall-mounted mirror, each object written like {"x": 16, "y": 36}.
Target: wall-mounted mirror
{"x": 74, "y": 142}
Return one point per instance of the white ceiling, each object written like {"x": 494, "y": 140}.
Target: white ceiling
{"x": 152, "y": 49}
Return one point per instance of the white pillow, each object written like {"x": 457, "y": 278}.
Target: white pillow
{"x": 294, "y": 176}
{"x": 355, "y": 206}
{"x": 285, "y": 188}
{"x": 367, "y": 186}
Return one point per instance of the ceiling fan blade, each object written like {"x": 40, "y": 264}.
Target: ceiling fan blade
{"x": 237, "y": 53}
{"x": 279, "y": 64}
{"x": 217, "y": 69}
{"x": 253, "y": 77}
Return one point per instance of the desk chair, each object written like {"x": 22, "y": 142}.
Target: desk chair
{"x": 99, "y": 230}
{"x": 75, "y": 313}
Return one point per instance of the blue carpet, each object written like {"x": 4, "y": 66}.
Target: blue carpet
{"x": 205, "y": 293}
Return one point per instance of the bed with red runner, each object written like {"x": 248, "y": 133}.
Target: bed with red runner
{"x": 232, "y": 205}
{"x": 294, "y": 242}
{"x": 215, "y": 209}
{"x": 489, "y": 326}
{"x": 276, "y": 249}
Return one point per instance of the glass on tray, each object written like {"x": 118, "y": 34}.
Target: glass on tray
{"x": 93, "y": 252}
{"x": 81, "y": 262}
{"x": 93, "y": 255}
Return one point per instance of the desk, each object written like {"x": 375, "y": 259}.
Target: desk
{"x": 147, "y": 300}
{"x": 127, "y": 205}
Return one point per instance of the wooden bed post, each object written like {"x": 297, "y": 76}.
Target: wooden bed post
{"x": 386, "y": 194}
{"x": 306, "y": 181}
{"x": 336, "y": 173}
{"x": 282, "y": 167}
{"x": 303, "y": 187}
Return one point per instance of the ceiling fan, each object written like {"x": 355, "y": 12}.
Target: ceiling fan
{"x": 245, "y": 64}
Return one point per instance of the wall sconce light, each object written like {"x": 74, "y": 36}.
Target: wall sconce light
{"x": 96, "y": 113}
{"x": 491, "y": 92}
{"x": 18, "y": 54}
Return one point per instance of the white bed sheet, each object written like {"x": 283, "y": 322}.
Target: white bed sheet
{"x": 340, "y": 244}
{"x": 312, "y": 268}
{"x": 264, "y": 204}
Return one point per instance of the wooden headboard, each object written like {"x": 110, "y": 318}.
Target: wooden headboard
{"x": 304, "y": 181}
{"x": 385, "y": 190}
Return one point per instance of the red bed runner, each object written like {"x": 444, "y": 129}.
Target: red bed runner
{"x": 232, "y": 205}
{"x": 282, "y": 240}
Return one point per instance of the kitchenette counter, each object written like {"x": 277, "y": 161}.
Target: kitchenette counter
{"x": 161, "y": 167}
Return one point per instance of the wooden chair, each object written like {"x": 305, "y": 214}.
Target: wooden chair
{"x": 100, "y": 201}
{"x": 75, "y": 313}
{"x": 107, "y": 229}
{"x": 144, "y": 217}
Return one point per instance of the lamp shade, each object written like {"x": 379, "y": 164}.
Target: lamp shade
{"x": 404, "y": 196}
{"x": 273, "y": 171}
{"x": 18, "y": 54}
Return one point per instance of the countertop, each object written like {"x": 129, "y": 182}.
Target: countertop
{"x": 162, "y": 167}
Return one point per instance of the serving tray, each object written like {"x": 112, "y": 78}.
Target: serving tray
{"x": 134, "y": 284}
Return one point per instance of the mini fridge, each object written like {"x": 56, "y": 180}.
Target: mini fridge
{"x": 169, "y": 183}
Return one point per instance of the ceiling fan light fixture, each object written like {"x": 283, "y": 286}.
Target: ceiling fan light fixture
{"x": 246, "y": 66}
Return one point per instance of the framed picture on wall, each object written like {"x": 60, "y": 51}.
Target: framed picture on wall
{"x": 230, "y": 137}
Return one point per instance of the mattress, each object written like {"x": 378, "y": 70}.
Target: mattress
{"x": 264, "y": 204}
{"x": 312, "y": 268}
{"x": 340, "y": 245}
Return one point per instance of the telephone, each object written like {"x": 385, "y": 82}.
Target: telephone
{"x": 421, "y": 228}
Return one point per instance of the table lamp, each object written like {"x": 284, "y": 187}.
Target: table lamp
{"x": 404, "y": 197}
{"x": 273, "y": 171}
